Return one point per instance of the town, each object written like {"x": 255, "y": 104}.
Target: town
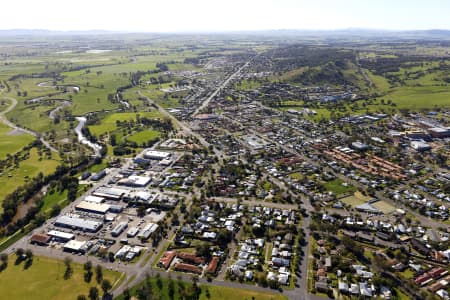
{"x": 246, "y": 169}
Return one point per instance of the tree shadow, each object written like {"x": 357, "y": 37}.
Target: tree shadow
{"x": 3, "y": 266}
{"x": 28, "y": 263}
{"x": 67, "y": 273}
{"x": 18, "y": 260}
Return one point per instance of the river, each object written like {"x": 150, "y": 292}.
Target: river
{"x": 82, "y": 139}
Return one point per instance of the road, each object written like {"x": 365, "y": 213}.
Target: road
{"x": 8, "y": 123}
{"x": 224, "y": 84}
{"x": 139, "y": 270}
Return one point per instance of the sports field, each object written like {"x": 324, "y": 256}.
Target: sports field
{"x": 356, "y": 199}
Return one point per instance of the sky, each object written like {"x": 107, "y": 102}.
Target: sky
{"x": 225, "y": 15}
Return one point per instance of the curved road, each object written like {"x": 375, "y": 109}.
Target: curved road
{"x": 8, "y": 123}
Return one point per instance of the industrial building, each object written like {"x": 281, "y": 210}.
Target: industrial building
{"x": 119, "y": 229}
{"x": 143, "y": 197}
{"x": 135, "y": 181}
{"x": 156, "y": 155}
{"x": 98, "y": 176}
{"x": 75, "y": 246}
{"x": 114, "y": 208}
{"x": 78, "y": 223}
{"x": 91, "y": 207}
{"x": 94, "y": 199}
{"x": 148, "y": 230}
{"x": 132, "y": 232}
{"x": 61, "y": 236}
{"x": 111, "y": 193}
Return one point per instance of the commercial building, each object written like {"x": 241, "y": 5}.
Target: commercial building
{"x": 111, "y": 193}
{"x": 438, "y": 132}
{"x": 94, "y": 199}
{"x": 61, "y": 236}
{"x": 75, "y": 246}
{"x": 205, "y": 117}
{"x": 420, "y": 146}
{"x": 40, "y": 239}
{"x": 91, "y": 207}
{"x": 156, "y": 155}
{"x": 78, "y": 223}
{"x": 359, "y": 146}
{"x": 135, "y": 181}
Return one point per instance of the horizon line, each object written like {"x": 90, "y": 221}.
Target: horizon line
{"x": 221, "y": 31}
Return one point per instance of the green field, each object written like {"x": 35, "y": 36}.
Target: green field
{"x": 29, "y": 168}
{"x": 215, "y": 292}
{"x": 43, "y": 280}
{"x": 416, "y": 98}
{"x": 108, "y": 124}
{"x": 336, "y": 186}
{"x": 52, "y": 198}
{"x": 144, "y": 136}
{"x": 12, "y": 141}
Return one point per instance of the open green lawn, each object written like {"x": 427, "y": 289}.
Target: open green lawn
{"x": 12, "y": 141}
{"x": 52, "y": 198}
{"x": 43, "y": 280}
{"x": 144, "y": 136}
{"x": 28, "y": 168}
{"x": 215, "y": 292}
{"x": 380, "y": 83}
{"x": 108, "y": 124}
{"x": 223, "y": 293}
{"x": 336, "y": 186}
{"x": 416, "y": 98}
{"x": 34, "y": 117}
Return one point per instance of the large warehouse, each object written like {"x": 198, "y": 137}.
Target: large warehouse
{"x": 91, "y": 207}
{"x": 156, "y": 155}
{"x": 135, "y": 181}
{"x": 78, "y": 223}
{"x": 111, "y": 193}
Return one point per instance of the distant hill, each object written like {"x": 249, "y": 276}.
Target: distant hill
{"x": 349, "y": 32}
{"x": 45, "y": 32}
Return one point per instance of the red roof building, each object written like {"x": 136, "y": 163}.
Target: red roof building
{"x": 167, "y": 258}
{"x": 212, "y": 266}
{"x": 187, "y": 268}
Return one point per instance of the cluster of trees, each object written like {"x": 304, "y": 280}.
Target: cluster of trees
{"x": 21, "y": 255}
{"x": 151, "y": 289}
{"x": 296, "y": 56}
{"x": 62, "y": 179}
